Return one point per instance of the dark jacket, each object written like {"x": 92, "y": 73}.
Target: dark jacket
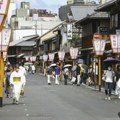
{"x": 78, "y": 70}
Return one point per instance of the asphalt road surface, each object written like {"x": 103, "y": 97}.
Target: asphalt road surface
{"x": 59, "y": 102}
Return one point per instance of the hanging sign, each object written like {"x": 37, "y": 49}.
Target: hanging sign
{"x": 73, "y": 53}
{"x": 69, "y": 31}
{"x": 115, "y": 43}
{"x": 51, "y": 56}
{"x": 99, "y": 46}
{"x": 61, "y": 55}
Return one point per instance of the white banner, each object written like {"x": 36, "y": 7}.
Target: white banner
{"x": 115, "y": 43}
{"x": 61, "y": 55}
{"x": 6, "y": 33}
{"x": 51, "y": 56}
{"x": 45, "y": 57}
{"x": 99, "y": 46}
{"x": 3, "y": 6}
{"x": 5, "y": 39}
{"x": 73, "y": 53}
{"x": 69, "y": 31}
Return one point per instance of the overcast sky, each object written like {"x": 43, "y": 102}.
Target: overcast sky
{"x": 52, "y": 5}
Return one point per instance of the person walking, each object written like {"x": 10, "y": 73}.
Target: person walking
{"x": 57, "y": 74}
{"x": 50, "y": 71}
{"x": 8, "y": 72}
{"x": 117, "y": 79}
{"x": 33, "y": 69}
{"x": 16, "y": 81}
{"x": 78, "y": 74}
{"x": 108, "y": 82}
{"x": 66, "y": 74}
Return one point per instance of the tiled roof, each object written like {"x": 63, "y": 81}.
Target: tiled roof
{"x": 79, "y": 12}
{"x": 95, "y": 15}
{"x": 103, "y": 7}
{"x": 17, "y": 42}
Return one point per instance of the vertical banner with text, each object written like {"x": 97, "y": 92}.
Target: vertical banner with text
{"x": 69, "y": 31}
{"x": 115, "y": 43}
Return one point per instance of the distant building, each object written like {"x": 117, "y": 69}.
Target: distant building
{"x": 23, "y": 23}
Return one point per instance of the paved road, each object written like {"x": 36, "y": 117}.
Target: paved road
{"x": 43, "y": 102}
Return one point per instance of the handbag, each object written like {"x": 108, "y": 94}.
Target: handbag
{"x": 73, "y": 79}
{"x": 103, "y": 78}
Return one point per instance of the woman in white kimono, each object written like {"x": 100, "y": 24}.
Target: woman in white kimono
{"x": 16, "y": 80}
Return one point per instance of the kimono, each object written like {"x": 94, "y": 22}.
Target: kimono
{"x": 16, "y": 80}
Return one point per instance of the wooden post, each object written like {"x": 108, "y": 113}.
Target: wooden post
{"x": 99, "y": 73}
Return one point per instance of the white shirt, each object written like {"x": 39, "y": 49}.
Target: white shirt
{"x": 109, "y": 76}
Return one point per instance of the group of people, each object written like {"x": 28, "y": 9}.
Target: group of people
{"x": 81, "y": 73}
{"x": 15, "y": 81}
{"x": 78, "y": 74}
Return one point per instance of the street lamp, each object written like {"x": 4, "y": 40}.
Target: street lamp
{"x": 51, "y": 57}
{"x": 73, "y": 54}
{"x": 99, "y": 47}
{"x": 61, "y": 55}
{"x": 115, "y": 44}
{"x": 5, "y": 35}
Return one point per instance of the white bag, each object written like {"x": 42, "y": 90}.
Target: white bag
{"x": 73, "y": 79}
{"x": 103, "y": 78}
{"x": 118, "y": 83}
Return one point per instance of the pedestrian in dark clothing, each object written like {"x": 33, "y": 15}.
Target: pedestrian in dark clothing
{"x": 78, "y": 74}
{"x": 57, "y": 74}
{"x": 50, "y": 71}
{"x": 66, "y": 74}
{"x": 7, "y": 82}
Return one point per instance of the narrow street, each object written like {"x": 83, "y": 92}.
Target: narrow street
{"x": 43, "y": 102}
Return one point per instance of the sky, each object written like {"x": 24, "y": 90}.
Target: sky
{"x": 51, "y": 5}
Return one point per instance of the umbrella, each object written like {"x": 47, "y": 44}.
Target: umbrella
{"x": 67, "y": 65}
{"x": 110, "y": 60}
{"x": 53, "y": 65}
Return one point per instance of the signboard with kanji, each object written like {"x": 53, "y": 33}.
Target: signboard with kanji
{"x": 51, "y": 56}
{"x": 115, "y": 43}
{"x": 99, "y": 46}
{"x": 61, "y": 55}
{"x": 69, "y": 31}
{"x": 4, "y": 39}
{"x": 73, "y": 53}
{"x": 4, "y": 6}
